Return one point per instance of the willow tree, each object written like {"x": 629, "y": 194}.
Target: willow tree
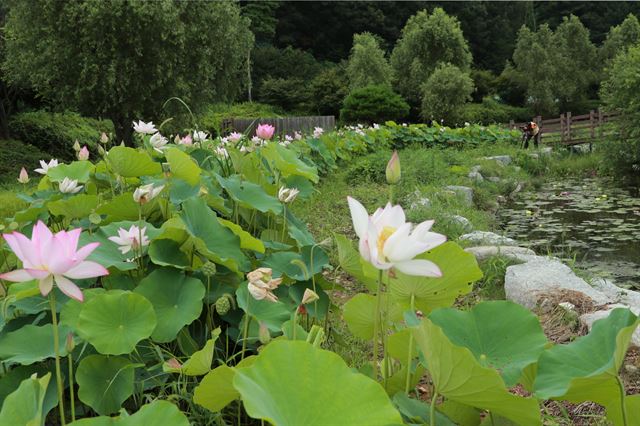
{"x": 367, "y": 64}
{"x": 123, "y": 59}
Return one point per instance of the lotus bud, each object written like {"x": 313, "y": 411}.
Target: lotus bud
{"x": 263, "y": 333}
{"x": 177, "y": 139}
{"x": 309, "y": 296}
{"x": 76, "y": 146}
{"x": 69, "y": 344}
{"x": 208, "y": 269}
{"x": 104, "y": 138}
{"x": 101, "y": 151}
{"x": 174, "y": 364}
{"x": 83, "y": 154}
{"x": 24, "y": 176}
{"x": 393, "y": 169}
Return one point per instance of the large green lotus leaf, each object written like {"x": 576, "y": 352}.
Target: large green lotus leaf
{"x": 108, "y": 253}
{"x": 216, "y": 390}
{"x": 114, "y": 322}
{"x": 247, "y": 241}
{"x": 272, "y": 314}
{"x": 298, "y": 266}
{"x": 176, "y": 300}
{"x": 71, "y": 310}
{"x": 417, "y": 412}
{"x": 297, "y": 230}
{"x": 359, "y": 313}
{"x": 218, "y": 241}
{"x": 458, "y": 376}
{"x": 78, "y": 170}
{"x": 587, "y": 369}
{"x": 25, "y": 406}
{"x": 249, "y": 194}
{"x": 632, "y": 405}
{"x": 31, "y": 343}
{"x": 183, "y": 166}
{"x": 129, "y": 162}
{"x": 166, "y": 252}
{"x": 104, "y": 383}
{"x": 398, "y": 345}
{"x": 460, "y": 414}
{"x": 294, "y": 383}
{"x": 75, "y": 207}
{"x": 507, "y": 345}
{"x": 286, "y": 161}
{"x": 352, "y": 263}
{"x": 199, "y": 362}
{"x": 120, "y": 207}
{"x": 154, "y": 414}
{"x": 397, "y": 381}
{"x": 459, "y": 271}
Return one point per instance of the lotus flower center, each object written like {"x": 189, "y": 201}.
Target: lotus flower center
{"x": 387, "y": 231}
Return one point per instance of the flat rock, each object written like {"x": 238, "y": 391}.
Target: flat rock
{"x": 494, "y": 179}
{"x": 476, "y": 168}
{"x": 591, "y": 317}
{"x": 511, "y": 252}
{"x": 464, "y": 190}
{"x": 488, "y": 239}
{"x": 462, "y": 221}
{"x": 505, "y": 160}
{"x": 420, "y": 200}
{"x": 529, "y": 282}
{"x": 617, "y": 294}
{"x": 476, "y": 176}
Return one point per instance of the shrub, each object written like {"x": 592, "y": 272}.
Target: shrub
{"x": 55, "y": 133}
{"x": 15, "y": 155}
{"x": 491, "y": 111}
{"x": 373, "y": 104}
{"x": 485, "y": 83}
{"x": 367, "y": 63}
{"x": 327, "y": 91}
{"x": 211, "y": 119}
{"x": 290, "y": 94}
{"x": 444, "y": 93}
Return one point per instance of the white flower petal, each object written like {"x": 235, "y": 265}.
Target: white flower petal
{"x": 359, "y": 217}
{"x": 419, "y": 267}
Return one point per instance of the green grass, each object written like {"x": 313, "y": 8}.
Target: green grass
{"x": 9, "y": 201}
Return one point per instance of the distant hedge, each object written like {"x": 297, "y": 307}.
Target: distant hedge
{"x": 14, "y": 155}
{"x": 55, "y": 133}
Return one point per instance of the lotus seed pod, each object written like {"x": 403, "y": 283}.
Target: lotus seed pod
{"x": 223, "y": 305}
{"x": 209, "y": 269}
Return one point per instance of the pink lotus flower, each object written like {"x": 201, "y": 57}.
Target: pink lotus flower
{"x": 51, "y": 257}
{"x": 83, "y": 154}
{"x": 187, "y": 140}
{"x": 24, "y": 176}
{"x": 388, "y": 241}
{"x": 317, "y": 132}
{"x": 234, "y": 137}
{"x": 265, "y": 131}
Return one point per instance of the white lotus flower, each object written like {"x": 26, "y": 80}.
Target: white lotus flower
{"x": 70, "y": 186}
{"x": 44, "y": 166}
{"x": 387, "y": 240}
{"x": 287, "y": 195}
{"x": 317, "y": 132}
{"x": 146, "y": 193}
{"x": 261, "y": 284}
{"x": 144, "y": 128}
{"x": 158, "y": 142}
{"x": 199, "y": 136}
{"x": 297, "y": 136}
{"x": 131, "y": 239}
{"x": 222, "y": 152}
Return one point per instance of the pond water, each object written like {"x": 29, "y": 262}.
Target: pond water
{"x": 593, "y": 220}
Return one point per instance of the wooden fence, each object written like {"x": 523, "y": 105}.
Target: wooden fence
{"x": 284, "y": 126}
{"x": 573, "y": 129}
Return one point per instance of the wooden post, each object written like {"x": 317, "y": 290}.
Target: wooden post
{"x": 599, "y": 123}
{"x": 512, "y": 125}
{"x": 569, "y": 126}
{"x": 562, "y": 128}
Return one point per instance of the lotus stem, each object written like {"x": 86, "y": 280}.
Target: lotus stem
{"x": 407, "y": 382}
{"x": 622, "y": 405}
{"x": 56, "y": 350}
{"x": 71, "y": 391}
{"x": 376, "y": 319}
{"x": 284, "y": 221}
{"x": 432, "y": 413}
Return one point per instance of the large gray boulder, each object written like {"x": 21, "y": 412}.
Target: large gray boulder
{"x": 486, "y": 238}
{"x": 512, "y": 252}
{"x": 462, "y": 222}
{"x": 466, "y": 192}
{"x": 475, "y": 176}
{"x": 617, "y": 294}
{"x": 591, "y": 317}
{"x": 530, "y": 282}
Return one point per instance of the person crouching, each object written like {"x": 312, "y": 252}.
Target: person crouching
{"x": 529, "y": 131}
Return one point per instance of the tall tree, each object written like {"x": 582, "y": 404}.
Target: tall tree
{"x": 367, "y": 63}
{"x": 620, "y": 38}
{"x": 123, "y": 59}
{"x": 427, "y": 40}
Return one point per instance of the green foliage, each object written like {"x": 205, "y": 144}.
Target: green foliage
{"x": 211, "y": 119}
{"x": 367, "y": 64}
{"x": 55, "y": 133}
{"x": 485, "y": 83}
{"x": 491, "y": 111}
{"x": 290, "y": 94}
{"x": 620, "y": 38}
{"x": 622, "y": 152}
{"x": 14, "y": 155}
{"x": 327, "y": 91}
{"x": 24, "y": 406}
{"x": 373, "y": 104}
{"x": 445, "y": 92}
{"x": 427, "y": 41}
{"x": 92, "y": 52}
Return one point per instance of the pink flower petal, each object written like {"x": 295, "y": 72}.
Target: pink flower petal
{"x": 29, "y": 251}
{"x": 17, "y": 276}
{"x": 86, "y": 269}
{"x": 13, "y": 244}
{"x": 38, "y": 273}
{"x": 85, "y": 251}
{"x": 46, "y": 285}
{"x": 69, "y": 288}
